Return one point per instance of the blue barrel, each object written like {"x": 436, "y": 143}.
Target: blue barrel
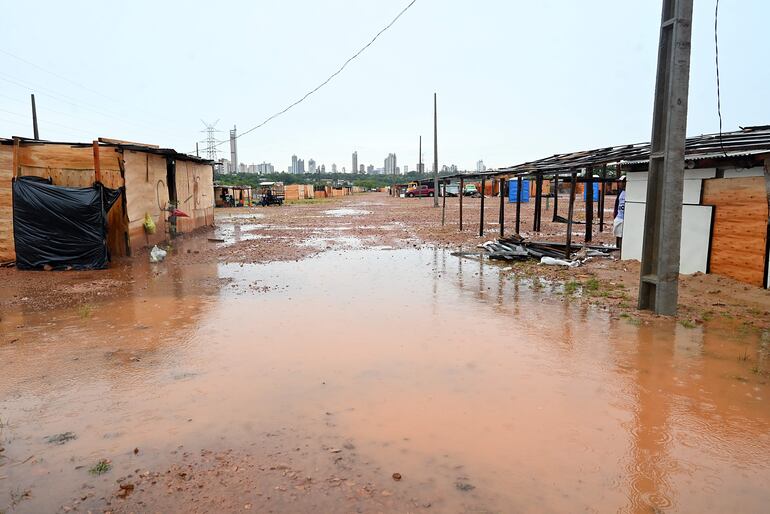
{"x": 596, "y": 192}
{"x": 513, "y": 186}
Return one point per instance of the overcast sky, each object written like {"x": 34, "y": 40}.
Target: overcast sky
{"x": 516, "y": 80}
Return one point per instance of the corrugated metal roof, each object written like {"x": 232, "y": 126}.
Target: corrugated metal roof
{"x": 748, "y": 141}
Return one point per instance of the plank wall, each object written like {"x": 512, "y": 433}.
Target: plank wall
{"x": 146, "y": 193}
{"x": 739, "y": 241}
{"x": 195, "y": 194}
{"x": 7, "y": 249}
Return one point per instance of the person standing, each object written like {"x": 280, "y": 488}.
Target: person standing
{"x": 619, "y": 213}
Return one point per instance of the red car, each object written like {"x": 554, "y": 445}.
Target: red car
{"x": 421, "y": 191}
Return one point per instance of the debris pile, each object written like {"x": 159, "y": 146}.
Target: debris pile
{"x": 548, "y": 252}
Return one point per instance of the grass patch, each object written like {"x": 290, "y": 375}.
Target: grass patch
{"x": 308, "y": 201}
{"x": 571, "y": 287}
{"x": 707, "y": 315}
{"x": 744, "y": 356}
{"x": 591, "y": 285}
{"x": 686, "y": 323}
{"x": 101, "y": 467}
{"x": 85, "y": 311}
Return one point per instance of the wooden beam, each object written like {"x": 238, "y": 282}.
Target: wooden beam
{"x": 767, "y": 238}
{"x": 518, "y": 203}
{"x": 462, "y": 191}
{"x": 538, "y": 202}
{"x": 589, "y": 190}
{"x": 555, "y": 196}
{"x": 97, "y": 165}
{"x": 443, "y": 203}
{"x": 568, "y": 247}
{"x": 481, "y": 213}
{"x": 16, "y": 171}
{"x": 602, "y": 192}
{"x": 501, "y": 219}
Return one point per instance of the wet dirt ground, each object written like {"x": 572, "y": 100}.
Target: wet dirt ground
{"x": 336, "y": 357}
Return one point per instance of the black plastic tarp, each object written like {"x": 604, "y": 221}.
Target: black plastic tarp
{"x": 57, "y": 227}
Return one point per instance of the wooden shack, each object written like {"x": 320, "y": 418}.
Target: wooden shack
{"x": 242, "y": 196}
{"x": 154, "y": 180}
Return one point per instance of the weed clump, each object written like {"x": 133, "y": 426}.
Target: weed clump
{"x": 101, "y": 467}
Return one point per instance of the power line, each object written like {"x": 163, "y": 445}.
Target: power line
{"x": 719, "y": 94}
{"x": 322, "y": 84}
{"x": 62, "y": 77}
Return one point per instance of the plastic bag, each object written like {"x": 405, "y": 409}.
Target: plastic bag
{"x": 149, "y": 225}
{"x": 157, "y": 254}
{"x": 550, "y": 261}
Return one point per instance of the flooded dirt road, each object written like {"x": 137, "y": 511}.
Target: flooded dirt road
{"x": 304, "y": 385}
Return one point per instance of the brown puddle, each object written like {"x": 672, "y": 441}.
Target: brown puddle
{"x": 484, "y": 392}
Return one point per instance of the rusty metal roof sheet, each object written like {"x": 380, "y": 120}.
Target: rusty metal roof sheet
{"x": 746, "y": 142}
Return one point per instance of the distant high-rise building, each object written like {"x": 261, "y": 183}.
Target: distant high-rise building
{"x": 300, "y": 166}
{"x": 480, "y": 167}
{"x": 311, "y": 166}
{"x": 406, "y": 169}
{"x": 226, "y": 168}
{"x": 234, "y": 148}
{"x": 323, "y": 168}
{"x": 355, "y": 162}
{"x": 265, "y": 168}
{"x": 242, "y": 168}
{"x": 361, "y": 169}
{"x": 390, "y": 164}
{"x": 370, "y": 169}
{"x": 334, "y": 168}
{"x": 293, "y": 168}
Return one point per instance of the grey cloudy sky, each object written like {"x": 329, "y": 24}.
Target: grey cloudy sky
{"x": 516, "y": 80}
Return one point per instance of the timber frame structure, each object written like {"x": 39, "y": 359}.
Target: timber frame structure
{"x": 722, "y": 155}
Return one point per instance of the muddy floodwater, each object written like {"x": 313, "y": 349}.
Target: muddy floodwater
{"x": 485, "y": 391}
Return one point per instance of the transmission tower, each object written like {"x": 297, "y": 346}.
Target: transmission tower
{"x": 211, "y": 140}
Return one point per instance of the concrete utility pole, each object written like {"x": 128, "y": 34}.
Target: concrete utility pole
{"x": 435, "y": 153}
{"x": 34, "y": 118}
{"x": 659, "y": 281}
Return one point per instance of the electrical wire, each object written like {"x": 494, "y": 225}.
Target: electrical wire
{"x": 74, "y": 83}
{"x": 719, "y": 93}
{"x": 322, "y": 84}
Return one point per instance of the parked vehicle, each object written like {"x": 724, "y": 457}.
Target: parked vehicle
{"x": 271, "y": 193}
{"x": 421, "y": 191}
{"x": 471, "y": 190}
{"x": 452, "y": 190}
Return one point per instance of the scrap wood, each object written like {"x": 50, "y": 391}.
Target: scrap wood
{"x": 562, "y": 219}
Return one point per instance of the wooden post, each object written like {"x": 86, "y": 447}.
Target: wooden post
{"x": 601, "y": 198}
{"x": 538, "y": 202}
{"x": 502, "y": 207}
{"x": 97, "y": 165}
{"x": 555, "y": 196}
{"x": 573, "y": 183}
{"x": 34, "y": 118}
{"x": 16, "y": 172}
{"x": 481, "y": 214}
{"x": 589, "y": 189}
{"x": 462, "y": 190}
{"x": 443, "y": 203}
{"x": 518, "y": 204}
